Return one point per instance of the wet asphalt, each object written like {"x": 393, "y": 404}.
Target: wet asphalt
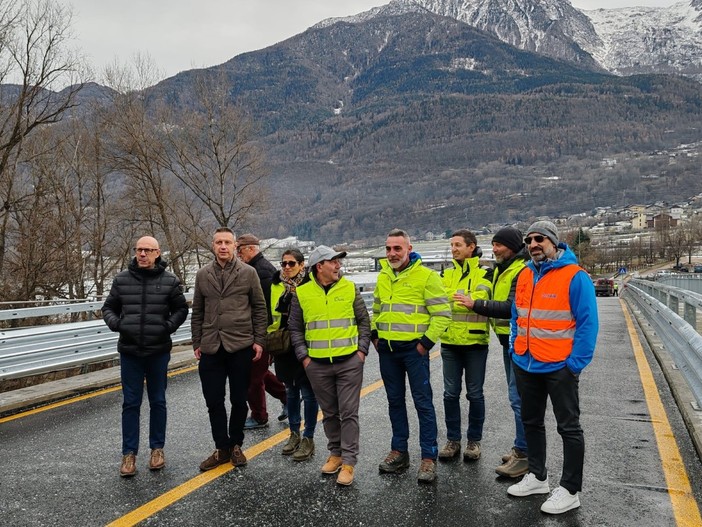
{"x": 60, "y": 467}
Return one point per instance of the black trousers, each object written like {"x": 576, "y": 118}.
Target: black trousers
{"x": 214, "y": 372}
{"x": 562, "y": 388}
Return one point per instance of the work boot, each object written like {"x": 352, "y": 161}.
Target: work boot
{"x": 157, "y": 460}
{"x": 517, "y": 465}
{"x": 219, "y": 457}
{"x": 292, "y": 444}
{"x": 345, "y": 476}
{"x": 128, "y": 467}
{"x": 427, "y": 471}
{"x": 451, "y": 450}
{"x": 472, "y": 451}
{"x": 305, "y": 450}
{"x": 332, "y": 465}
{"x": 395, "y": 461}
{"x": 238, "y": 458}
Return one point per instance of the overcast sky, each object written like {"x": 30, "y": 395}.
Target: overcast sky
{"x": 185, "y": 34}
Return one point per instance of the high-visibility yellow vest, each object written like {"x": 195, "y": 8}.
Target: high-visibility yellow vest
{"x": 330, "y": 321}
{"x": 501, "y": 286}
{"x": 411, "y": 304}
{"x": 466, "y": 327}
{"x": 277, "y": 290}
{"x": 545, "y": 322}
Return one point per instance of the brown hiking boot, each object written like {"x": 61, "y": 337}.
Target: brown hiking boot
{"x": 219, "y": 457}
{"x": 395, "y": 461}
{"x": 345, "y": 476}
{"x": 472, "y": 451}
{"x": 157, "y": 460}
{"x": 450, "y": 451}
{"x": 332, "y": 465}
{"x": 238, "y": 457}
{"x": 517, "y": 465}
{"x": 427, "y": 471}
{"x": 292, "y": 444}
{"x": 305, "y": 450}
{"x": 128, "y": 467}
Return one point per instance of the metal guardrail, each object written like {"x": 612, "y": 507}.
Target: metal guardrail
{"x": 42, "y": 349}
{"x": 50, "y": 348}
{"x": 661, "y": 305}
{"x": 45, "y": 311}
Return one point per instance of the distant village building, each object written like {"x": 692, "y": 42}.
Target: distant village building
{"x": 662, "y": 221}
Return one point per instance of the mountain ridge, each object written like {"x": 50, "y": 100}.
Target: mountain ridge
{"x": 623, "y": 41}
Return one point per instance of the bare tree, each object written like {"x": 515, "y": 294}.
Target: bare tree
{"x": 35, "y": 66}
{"x": 153, "y": 201}
{"x": 211, "y": 150}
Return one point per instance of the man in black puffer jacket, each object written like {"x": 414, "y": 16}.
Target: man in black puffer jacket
{"x": 145, "y": 305}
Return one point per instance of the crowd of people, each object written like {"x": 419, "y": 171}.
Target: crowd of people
{"x": 312, "y": 324}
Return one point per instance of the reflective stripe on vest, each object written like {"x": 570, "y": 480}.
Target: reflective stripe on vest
{"x": 467, "y": 328}
{"x": 400, "y": 310}
{"x": 330, "y": 321}
{"x": 545, "y": 324}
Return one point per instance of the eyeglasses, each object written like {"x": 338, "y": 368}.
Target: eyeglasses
{"x": 144, "y": 250}
{"x": 537, "y": 238}
{"x": 288, "y": 263}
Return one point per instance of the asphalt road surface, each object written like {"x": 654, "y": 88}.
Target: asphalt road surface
{"x": 60, "y": 467}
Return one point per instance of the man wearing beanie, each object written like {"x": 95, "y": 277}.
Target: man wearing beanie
{"x": 553, "y": 332}
{"x": 510, "y": 255}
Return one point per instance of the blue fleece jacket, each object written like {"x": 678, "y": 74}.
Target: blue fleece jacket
{"x": 583, "y": 305}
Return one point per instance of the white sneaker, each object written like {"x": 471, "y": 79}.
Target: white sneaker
{"x": 529, "y": 485}
{"x": 561, "y": 501}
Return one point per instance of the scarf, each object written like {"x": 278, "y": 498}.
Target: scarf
{"x": 292, "y": 283}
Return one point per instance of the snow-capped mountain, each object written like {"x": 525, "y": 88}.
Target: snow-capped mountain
{"x": 624, "y": 41}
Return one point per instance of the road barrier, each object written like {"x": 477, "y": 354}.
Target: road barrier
{"x": 661, "y": 305}
{"x": 41, "y": 349}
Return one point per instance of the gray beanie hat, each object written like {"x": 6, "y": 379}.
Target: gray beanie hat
{"x": 546, "y": 228}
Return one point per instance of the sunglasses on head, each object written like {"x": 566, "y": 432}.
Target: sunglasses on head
{"x": 288, "y": 264}
{"x": 537, "y": 238}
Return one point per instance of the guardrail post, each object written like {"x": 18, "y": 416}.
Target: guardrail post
{"x": 673, "y": 304}
{"x": 690, "y": 315}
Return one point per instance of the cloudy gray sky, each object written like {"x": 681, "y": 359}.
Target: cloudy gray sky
{"x": 185, "y": 34}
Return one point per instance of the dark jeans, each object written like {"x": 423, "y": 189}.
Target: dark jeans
{"x": 562, "y": 388}
{"x": 297, "y": 392}
{"x": 514, "y": 399}
{"x": 457, "y": 362}
{"x": 406, "y": 361}
{"x": 134, "y": 370}
{"x": 214, "y": 371}
{"x": 263, "y": 380}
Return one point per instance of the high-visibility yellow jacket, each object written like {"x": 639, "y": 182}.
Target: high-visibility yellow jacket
{"x": 466, "y": 327}
{"x": 330, "y": 322}
{"x": 410, "y": 305}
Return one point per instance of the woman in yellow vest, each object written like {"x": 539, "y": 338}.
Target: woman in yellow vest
{"x": 464, "y": 346}
{"x": 287, "y": 368}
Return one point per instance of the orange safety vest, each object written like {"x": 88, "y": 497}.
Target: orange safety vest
{"x": 545, "y": 322}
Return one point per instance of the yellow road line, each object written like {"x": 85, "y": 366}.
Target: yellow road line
{"x": 685, "y": 507}
{"x": 90, "y": 395}
{"x": 164, "y": 500}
